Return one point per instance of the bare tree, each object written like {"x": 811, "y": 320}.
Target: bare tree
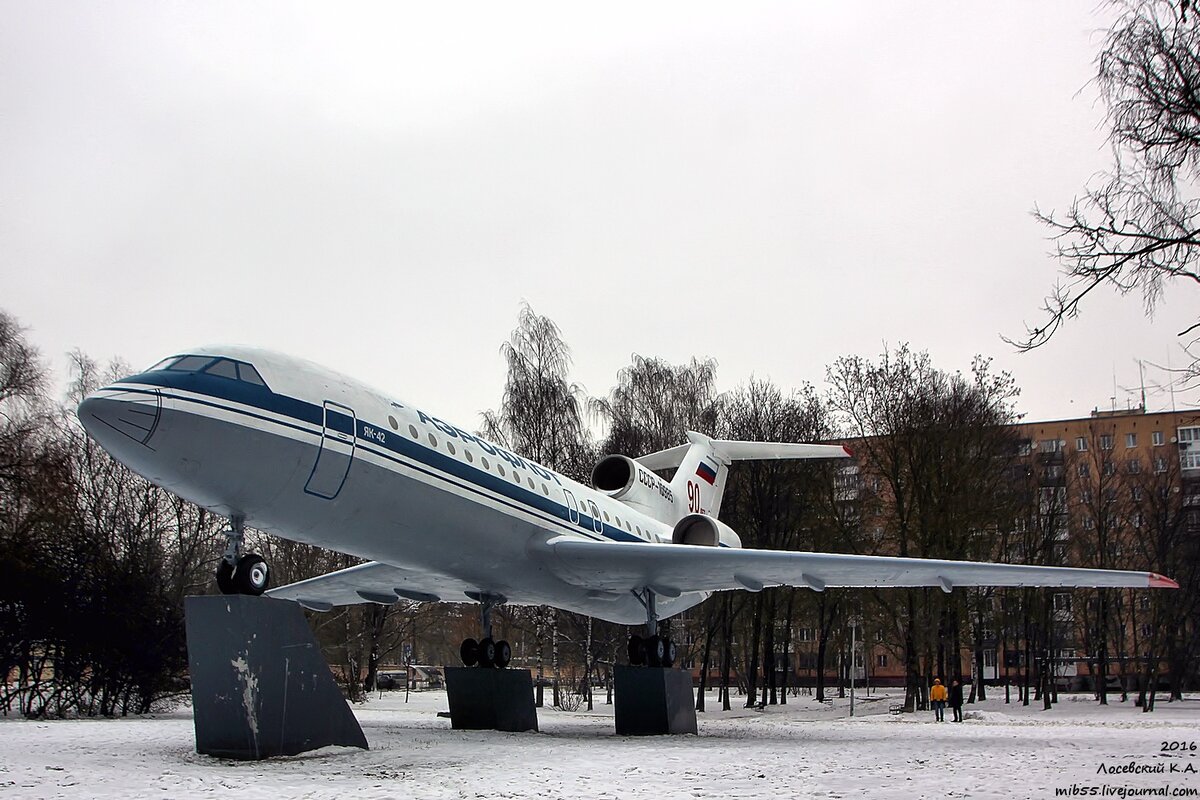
{"x": 939, "y": 444}
{"x": 1136, "y": 228}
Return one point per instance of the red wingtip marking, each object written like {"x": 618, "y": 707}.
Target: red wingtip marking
{"x": 1159, "y": 582}
{"x": 849, "y": 452}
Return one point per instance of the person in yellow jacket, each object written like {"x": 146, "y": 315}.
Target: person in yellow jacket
{"x": 937, "y": 696}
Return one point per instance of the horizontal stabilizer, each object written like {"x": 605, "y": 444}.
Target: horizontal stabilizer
{"x": 729, "y": 450}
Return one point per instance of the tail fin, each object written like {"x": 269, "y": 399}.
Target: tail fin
{"x": 699, "y": 483}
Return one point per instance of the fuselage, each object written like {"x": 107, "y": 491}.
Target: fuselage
{"x": 312, "y": 456}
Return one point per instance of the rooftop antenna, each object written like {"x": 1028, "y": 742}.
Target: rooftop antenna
{"x": 1142, "y": 373}
{"x": 1170, "y": 381}
{"x": 1113, "y": 397}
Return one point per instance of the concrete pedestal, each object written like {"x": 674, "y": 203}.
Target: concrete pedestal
{"x": 483, "y": 699}
{"x": 260, "y": 686}
{"x": 653, "y": 701}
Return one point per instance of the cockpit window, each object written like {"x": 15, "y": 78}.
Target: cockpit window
{"x": 190, "y": 363}
{"x": 166, "y": 362}
{"x": 250, "y": 375}
{"x": 212, "y": 365}
{"x": 224, "y": 368}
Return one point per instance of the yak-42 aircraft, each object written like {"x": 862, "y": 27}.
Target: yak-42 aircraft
{"x": 296, "y": 450}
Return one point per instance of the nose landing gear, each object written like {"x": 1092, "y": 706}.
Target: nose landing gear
{"x": 237, "y": 573}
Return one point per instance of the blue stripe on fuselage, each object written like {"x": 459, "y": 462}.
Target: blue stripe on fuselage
{"x": 427, "y": 459}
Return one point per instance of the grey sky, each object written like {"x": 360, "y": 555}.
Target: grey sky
{"x": 376, "y": 187}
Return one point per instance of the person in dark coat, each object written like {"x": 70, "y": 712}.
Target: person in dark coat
{"x": 956, "y": 700}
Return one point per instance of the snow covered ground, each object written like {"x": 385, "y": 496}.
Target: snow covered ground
{"x": 800, "y": 750}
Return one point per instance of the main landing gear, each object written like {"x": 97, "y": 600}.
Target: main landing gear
{"x": 237, "y": 573}
{"x": 651, "y": 650}
{"x": 487, "y": 652}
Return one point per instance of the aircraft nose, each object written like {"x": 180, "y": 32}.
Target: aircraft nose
{"x": 133, "y": 415}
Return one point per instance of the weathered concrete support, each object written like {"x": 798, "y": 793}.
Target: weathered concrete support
{"x": 484, "y": 699}
{"x": 260, "y": 686}
{"x": 653, "y": 701}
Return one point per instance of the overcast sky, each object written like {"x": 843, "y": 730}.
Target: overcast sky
{"x": 378, "y": 187}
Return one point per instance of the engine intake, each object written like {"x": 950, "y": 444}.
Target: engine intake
{"x": 614, "y": 474}
{"x": 703, "y": 530}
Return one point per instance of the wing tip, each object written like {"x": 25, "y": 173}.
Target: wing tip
{"x": 848, "y": 451}
{"x": 1161, "y": 582}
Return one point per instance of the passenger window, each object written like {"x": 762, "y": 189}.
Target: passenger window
{"x": 250, "y": 375}
{"x": 545, "y": 491}
{"x": 190, "y": 363}
{"x": 470, "y": 457}
{"x": 530, "y": 480}
{"x": 392, "y": 421}
{"x": 412, "y": 431}
{"x": 501, "y": 468}
{"x": 433, "y": 440}
{"x": 450, "y": 447}
{"x": 483, "y": 460}
{"x": 224, "y": 368}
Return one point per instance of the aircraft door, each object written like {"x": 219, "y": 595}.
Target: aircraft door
{"x": 572, "y": 508}
{"x": 336, "y": 453}
{"x": 597, "y": 525}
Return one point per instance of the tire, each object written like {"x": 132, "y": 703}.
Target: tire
{"x": 225, "y": 581}
{"x": 252, "y": 576}
{"x": 637, "y": 651}
{"x": 468, "y": 651}
{"x": 487, "y": 652}
{"x": 656, "y": 651}
{"x": 669, "y": 658}
{"x": 503, "y": 654}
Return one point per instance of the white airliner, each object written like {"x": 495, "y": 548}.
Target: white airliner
{"x": 291, "y": 448}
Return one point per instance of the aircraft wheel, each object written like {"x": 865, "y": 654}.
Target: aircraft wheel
{"x": 252, "y": 575}
{"x": 503, "y": 654}
{"x": 225, "y": 581}
{"x": 637, "y": 651}
{"x": 468, "y": 651}
{"x": 669, "y": 655}
{"x": 487, "y": 652}
{"x": 656, "y": 651}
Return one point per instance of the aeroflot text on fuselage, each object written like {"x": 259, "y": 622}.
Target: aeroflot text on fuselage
{"x": 516, "y": 461}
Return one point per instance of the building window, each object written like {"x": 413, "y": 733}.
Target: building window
{"x": 1106, "y": 441}
{"x": 1110, "y": 468}
{"x": 1147, "y": 630}
{"x": 1136, "y": 493}
{"x": 1131, "y": 440}
{"x": 881, "y": 660}
{"x": 1160, "y": 465}
{"x": 806, "y": 635}
{"x": 1134, "y": 465}
{"x": 1081, "y": 444}
{"x": 1062, "y": 602}
{"x": 1143, "y": 603}
{"x": 1189, "y": 448}
{"x": 1136, "y": 519}
{"x": 1089, "y": 524}
{"x": 1083, "y": 470}
{"x": 1157, "y": 438}
{"x": 1050, "y": 445}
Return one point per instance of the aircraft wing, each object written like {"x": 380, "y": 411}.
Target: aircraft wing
{"x": 671, "y": 569}
{"x": 372, "y": 582}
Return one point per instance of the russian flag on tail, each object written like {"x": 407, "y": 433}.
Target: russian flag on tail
{"x": 706, "y": 472}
